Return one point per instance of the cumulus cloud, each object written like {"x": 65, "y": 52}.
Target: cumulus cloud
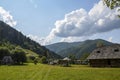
{"x": 48, "y": 39}
{"x": 80, "y": 23}
{"x": 36, "y": 38}
{"x": 7, "y": 17}
{"x": 73, "y": 39}
{"x": 110, "y": 39}
{"x": 42, "y": 40}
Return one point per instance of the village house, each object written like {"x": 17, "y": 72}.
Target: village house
{"x": 107, "y": 56}
{"x": 7, "y": 60}
{"x": 65, "y": 62}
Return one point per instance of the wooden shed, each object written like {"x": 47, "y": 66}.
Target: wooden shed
{"x": 64, "y": 62}
{"x": 107, "y": 56}
{"x": 7, "y": 60}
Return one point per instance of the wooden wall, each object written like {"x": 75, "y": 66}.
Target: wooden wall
{"x": 105, "y": 62}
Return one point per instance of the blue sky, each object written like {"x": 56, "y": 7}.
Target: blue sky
{"x": 37, "y": 18}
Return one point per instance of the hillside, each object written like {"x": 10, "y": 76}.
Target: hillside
{"x": 78, "y": 49}
{"x": 57, "y": 47}
{"x": 9, "y": 34}
{"x": 12, "y": 48}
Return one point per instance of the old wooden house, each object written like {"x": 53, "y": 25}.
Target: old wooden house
{"x": 7, "y": 60}
{"x": 107, "y": 56}
{"x": 64, "y": 62}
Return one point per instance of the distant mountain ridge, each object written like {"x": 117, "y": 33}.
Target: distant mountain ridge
{"x": 9, "y": 34}
{"x": 76, "y": 48}
{"x": 57, "y": 47}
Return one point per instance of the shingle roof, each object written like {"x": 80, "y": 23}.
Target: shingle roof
{"x": 107, "y": 52}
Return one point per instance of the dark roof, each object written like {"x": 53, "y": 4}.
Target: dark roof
{"x": 106, "y": 52}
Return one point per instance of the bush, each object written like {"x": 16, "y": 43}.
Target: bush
{"x": 44, "y": 60}
{"x": 31, "y": 57}
{"x": 4, "y": 52}
{"x": 35, "y": 61}
{"x": 19, "y": 57}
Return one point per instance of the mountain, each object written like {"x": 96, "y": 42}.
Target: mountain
{"x": 78, "y": 49}
{"x": 57, "y": 47}
{"x": 9, "y": 34}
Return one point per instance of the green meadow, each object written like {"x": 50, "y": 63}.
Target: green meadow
{"x": 49, "y": 72}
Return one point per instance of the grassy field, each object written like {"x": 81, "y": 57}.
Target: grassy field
{"x": 48, "y": 72}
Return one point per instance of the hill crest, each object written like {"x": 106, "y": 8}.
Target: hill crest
{"x": 8, "y": 33}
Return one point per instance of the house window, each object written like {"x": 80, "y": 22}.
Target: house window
{"x": 109, "y": 62}
{"x": 116, "y": 50}
{"x": 98, "y": 51}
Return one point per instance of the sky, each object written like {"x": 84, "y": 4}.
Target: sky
{"x": 52, "y": 21}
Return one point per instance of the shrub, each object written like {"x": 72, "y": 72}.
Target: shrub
{"x": 4, "y": 52}
{"x": 19, "y": 57}
{"x": 44, "y": 60}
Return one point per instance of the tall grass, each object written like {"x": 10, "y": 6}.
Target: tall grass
{"x": 48, "y": 72}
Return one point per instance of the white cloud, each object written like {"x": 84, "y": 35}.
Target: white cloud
{"x": 42, "y": 40}
{"x": 36, "y": 38}
{"x": 7, "y": 17}
{"x": 72, "y": 39}
{"x": 48, "y": 39}
{"x": 110, "y": 39}
{"x": 80, "y": 23}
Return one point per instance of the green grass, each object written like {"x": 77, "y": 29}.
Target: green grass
{"x": 30, "y": 53}
{"x": 48, "y": 72}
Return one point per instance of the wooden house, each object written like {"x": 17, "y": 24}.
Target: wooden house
{"x": 107, "y": 56}
{"x": 7, "y": 60}
{"x": 64, "y": 62}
